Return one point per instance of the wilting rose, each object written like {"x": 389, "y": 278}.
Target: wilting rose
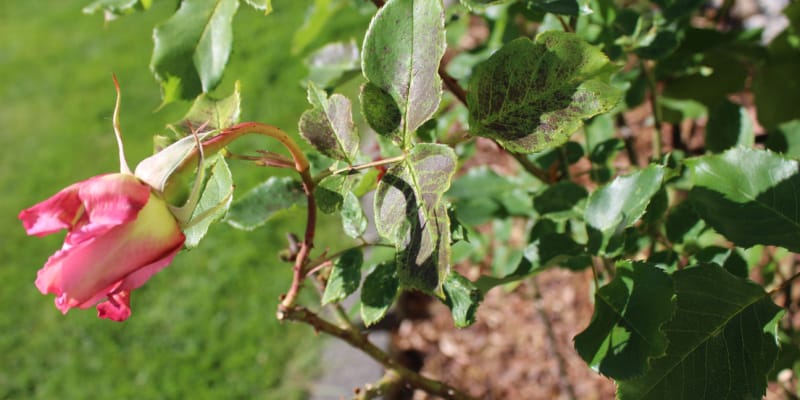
{"x": 119, "y": 233}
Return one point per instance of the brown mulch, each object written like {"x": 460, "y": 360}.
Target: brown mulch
{"x": 509, "y": 353}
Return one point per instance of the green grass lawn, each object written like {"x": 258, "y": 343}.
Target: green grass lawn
{"x": 205, "y": 326}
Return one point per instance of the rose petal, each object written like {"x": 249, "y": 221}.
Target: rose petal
{"x": 53, "y": 214}
{"x": 116, "y": 308}
{"x": 109, "y": 200}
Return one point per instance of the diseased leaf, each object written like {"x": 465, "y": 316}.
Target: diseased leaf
{"x": 748, "y": 195}
{"x": 380, "y": 110}
{"x": 378, "y": 292}
{"x": 264, "y": 201}
{"x": 211, "y": 113}
{"x": 410, "y": 213}
{"x": 463, "y": 299}
{"x": 192, "y": 48}
{"x": 329, "y": 125}
{"x": 618, "y": 205}
{"x": 531, "y": 96}
{"x": 402, "y": 49}
{"x": 214, "y": 202}
{"x": 722, "y": 341}
{"x": 354, "y": 221}
{"x": 626, "y": 328}
{"x": 345, "y": 277}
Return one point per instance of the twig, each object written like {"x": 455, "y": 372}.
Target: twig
{"x": 308, "y": 240}
{"x": 654, "y": 103}
{"x": 529, "y": 166}
{"x": 386, "y": 388}
{"x": 563, "y": 378}
{"x": 452, "y": 84}
{"x": 359, "y": 341}
{"x": 352, "y": 168}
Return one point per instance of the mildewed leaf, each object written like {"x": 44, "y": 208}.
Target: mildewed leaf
{"x": 410, "y": 213}
{"x": 531, "y": 96}
{"x": 329, "y": 125}
{"x": 401, "y": 53}
{"x": 333, "y": 61}
{"x": 625, "y": 332}
{"x": 214, "y": 202}
{"x": 264, "y": 201}
{"x": 620, "y": 204}
{"x": 749, "y": 195}
{"x": 192, "y": 48}
{"x": 345, "y": 276}
{"x": 722, "y": 341}
{"x": 354, "y": 221}
{"x": 212, "y": 113}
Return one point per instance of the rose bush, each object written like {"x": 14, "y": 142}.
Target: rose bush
{"x": 119, "y": 233}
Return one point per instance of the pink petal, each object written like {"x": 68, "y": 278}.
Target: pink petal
{"x": 116, "y": 308}
{"x": 109, "y": 200}
{"x": 53, "y": 214}
{"x": 81, "y": 274}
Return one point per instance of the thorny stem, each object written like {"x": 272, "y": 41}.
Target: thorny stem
{"x": 301, "y": 165}
{"x": 360, "y": 341}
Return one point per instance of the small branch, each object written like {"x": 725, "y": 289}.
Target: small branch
{"x": 563, "y": 378}
{"x": 359, "y": 341}
{"x": 308, "y": 241}
{"x": 452, "y": 84}
{"x": 385, "y": 388}
{"x": 784, "y": 284}
{"x": 654, "y": 103}
{"x": 529, "y": 166}
{"x": 350, "y": 169}
{"x": 566, "y": 26}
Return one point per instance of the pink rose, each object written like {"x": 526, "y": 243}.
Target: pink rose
{"x": 119, "y": 233}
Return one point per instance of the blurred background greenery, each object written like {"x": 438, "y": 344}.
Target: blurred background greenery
{"x": 205, "y": 326}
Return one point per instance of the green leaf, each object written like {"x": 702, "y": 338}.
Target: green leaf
{"x": 354, "y": 221}
{"x": 264, "y": 201}
{"x": 317, "y": 16}
{"x": 214, "y": 202}
{"x": 626, "y": 329}
{"x": 380, "y": 110}
{"x": 345, "y": 276}
{"x": 748, "y": 195}
{"x": 776, "y": 84}
{"x": 378, "y": 292}
{"x": 559, "y": 198}
{"x": 721, "y": 341}
{"x": 785, "y": 139}
{"x": 402, "y": 49}
{"x": 531, "y": 96}
{"x": 618, "y": 205}
{"x": 330, "y": 192}
{"x": 682, "y": 222}
{"x": 728, "y": 126}
{"x": 261, "y": 5}
{"x": 563, "y": 7}
{"x": 113, "y": 9}
{"x": 192, "y": 48}
{"x": 329, "y": 125}
{"x": 328, "y": 65}
{"x": 482, "y": 4}
{"x": 410, "y": 213}
{"x": 463, "y": 299}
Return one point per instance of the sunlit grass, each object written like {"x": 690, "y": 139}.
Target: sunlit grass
{"x": 205, "y": 326}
